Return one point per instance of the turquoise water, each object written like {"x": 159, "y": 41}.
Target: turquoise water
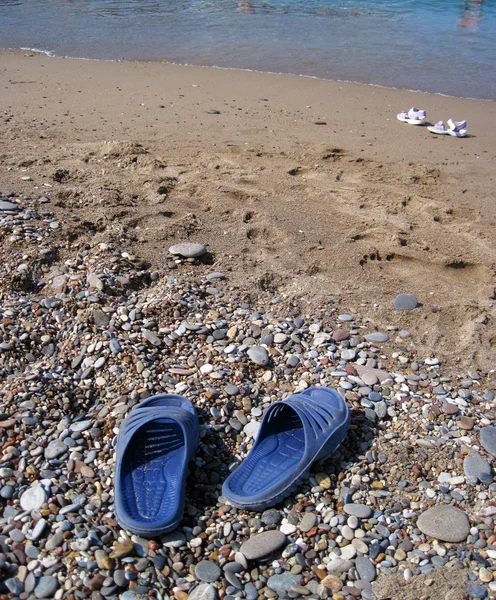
{"x": 439, "y": 46}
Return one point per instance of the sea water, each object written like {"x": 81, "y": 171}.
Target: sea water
{"x": 443, "y": 46}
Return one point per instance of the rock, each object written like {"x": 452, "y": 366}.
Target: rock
{"x": 231, "y": 390}
{"x": 122, "y": 548}
{"x": 188, "y": 250}
{"x": 203, "y": 592}
{"x": 174, "y": 539}
{"x": 80, "y": 426}
{"x": 252, "y": 428}
{"x": 288, "y": 528}
{"x": 365, "y": 568}
{"x": 37, "y": 530}
{"x": 100, "y": 318}
{"x": 309, "y": 520}
{"x": 262, "y": 544}
{"x": 215, "y": 275}
{"x": 380, "y": 409}
{"x": 476, "y": 591}
{"x": 259, "y": 355}
{"x": 95, "y": 282}
{"x": 281, "y": 583}
{"x": 14, "y": 586}
{"x": 207, "y": 570}
{"x": 488, "y": 439}
{"x": 405, "y": 302}
{"x": 323, "y": 480}
{"x": 55, "y": 540}
{"x": 339, "y": 335}
{"x": 466, "y": 423}
{"x": 250, "y": 591}
{"x": 137, "y": 593}
{"x": 360, "y": 546}
{"x": 369, "y": 378}
{"x": 475, "y": 465}
{"x": 445, "y": 523}
{"x": 151, "y": 337}
{"x": 46, "y": 587}
{"x": 271, "y": 517}
{"x": 333, "y": 583}
{"x": 33, "y": 498}
{"x": 120, "y": 577}
{"x": 348, "y": 354}
{"x": 233, "y": 567}
{"x": 377, "y": 337}
{"x": 7, "y": 491}
{"x": 364, "y": 371}
{"x": 358, "y": 510}
{"x": 55, "y": 449}
{"x": 5, "y": 205}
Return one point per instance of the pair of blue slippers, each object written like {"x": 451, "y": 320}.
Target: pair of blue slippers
{"x": 158, "y": 439}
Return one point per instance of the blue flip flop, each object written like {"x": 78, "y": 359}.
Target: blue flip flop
{"x": 294, "y": 433}
{"x": 155, "y": 444}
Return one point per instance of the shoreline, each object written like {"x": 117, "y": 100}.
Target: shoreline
{"x": 50, "y": 54}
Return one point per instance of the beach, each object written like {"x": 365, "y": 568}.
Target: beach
{"x": 308, "y": 188}
{"x": 334, "y": 246}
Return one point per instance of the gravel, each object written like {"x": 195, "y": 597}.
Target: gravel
{"x": 85, "y": 339}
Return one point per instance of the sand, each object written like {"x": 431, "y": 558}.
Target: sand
{"x": 306, "y": 190}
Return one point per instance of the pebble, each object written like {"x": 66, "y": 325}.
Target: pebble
{"x": 33, "y": 498}
{"x": 259, "y": 355}
{"x": 263, "y": 544}
{"x": 377, "y": 337}
{"x": 55, "y": 449}
{"x": 358, "y": 510}
{"x": 271, "y": 517}
{"x": 348, "y": 354}
{"x": 122, "y": 548}
{"x": 207, "y": 570}
{"x": 46, "y": 587}
{"x": 308, "y": 522}
{"x": 476, "y": 591}
{"x": 476, "y": 466}
{"x": 323, "y": 480}
{"x": 188, "y": 250}
{"x": 140, "y": 593}
{"x": 445, "y": 523}
{"x": 14, "y": 586}
{"x": 6, "y": 205}
{"x": 488, "y": 439}
{"x": 405, "y": 302}
{"x": 204, "y": 591}
{"x": 365, "y": 568}
{"x": 281, "y": 584}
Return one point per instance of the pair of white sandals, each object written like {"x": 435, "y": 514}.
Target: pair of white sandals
{"x": 416, "y": 116}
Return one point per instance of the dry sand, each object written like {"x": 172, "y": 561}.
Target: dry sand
{"x": 303, "y": 189}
